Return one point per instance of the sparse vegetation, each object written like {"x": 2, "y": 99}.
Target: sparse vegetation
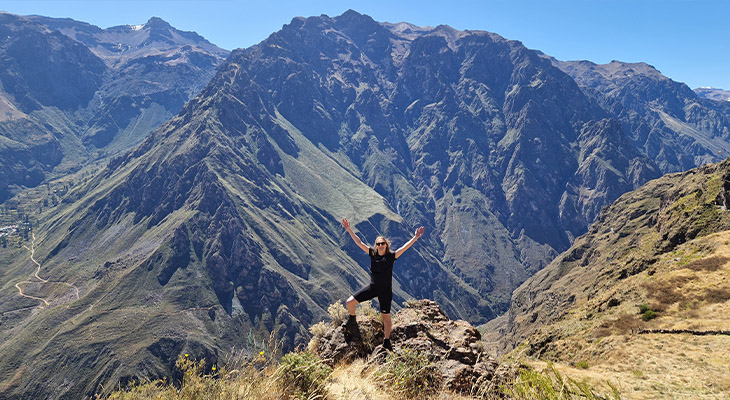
{"x": 550, "y": 384}
{"x": 338, "y": 313}
{"x": 304, "y": 374}
{"x": 252, "y": 379}
{"x": 408, "y": 374}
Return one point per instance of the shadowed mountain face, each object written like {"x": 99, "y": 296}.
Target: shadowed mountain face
{"x": 223, "y": 225}
{"x": 71, "y": 92}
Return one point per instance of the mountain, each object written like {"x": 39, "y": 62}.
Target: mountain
{"x": 650, "y": 276}
{"x": 71, "y": 93}
{"x": 223, "y": 224}
{"x": 664, "y": 119}
{"x": 713, "y": 94}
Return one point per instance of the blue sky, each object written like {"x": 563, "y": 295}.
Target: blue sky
{"x": 687, "y": 40}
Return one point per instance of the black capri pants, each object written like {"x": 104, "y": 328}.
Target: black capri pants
{"x": 383, "y": 293}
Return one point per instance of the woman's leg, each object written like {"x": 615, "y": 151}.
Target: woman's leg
{"x": 385, "y": 299}
{"x": 363, "y": 294}
{"x": 387, "y": 325}
{"x": 351, "y": 303}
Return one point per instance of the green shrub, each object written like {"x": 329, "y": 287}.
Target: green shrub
{"x": 304, "y": 374}
{"x": 582, "y": 364}
{"x": 648, "y": 315}
{"x": 643, "y": 308}
{"x": 408, "y": 374}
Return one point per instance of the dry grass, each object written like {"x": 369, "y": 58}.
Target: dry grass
{"x": 661, "y": 367}
{"x": 687, "y": 295}
{"x": 248, "y": 382}
{"x": 707, "y": 264}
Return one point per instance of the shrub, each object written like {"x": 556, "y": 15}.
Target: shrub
{"x": 648, "y": 315}
{"x": 319, "y": 329}
{"x": 646, "y": 312}
{"x": 338, "y": 313}
{"x": 367, "y": 309}
{"x": 582, "y": 364}
{"x": 304, "y": 374}
{"x": 408, "y": 374}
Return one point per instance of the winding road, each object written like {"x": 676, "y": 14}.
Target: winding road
{"x": 37, "y": 276}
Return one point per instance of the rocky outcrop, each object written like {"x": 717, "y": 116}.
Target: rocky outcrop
{"x": 453, "y": 346}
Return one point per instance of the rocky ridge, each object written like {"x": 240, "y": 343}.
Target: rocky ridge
{"x": 453, "y": 346}
{"x": 678, "y": 128}
{"x": 650, "y": 276}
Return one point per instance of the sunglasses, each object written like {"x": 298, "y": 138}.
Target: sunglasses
{"x": 380, "y": 244}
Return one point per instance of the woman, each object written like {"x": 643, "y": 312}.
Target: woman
{"x": 381, "y": 277}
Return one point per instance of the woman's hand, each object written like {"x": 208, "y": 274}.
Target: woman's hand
{"x": 346, "y": 224}
{"x": 419, "y": 232}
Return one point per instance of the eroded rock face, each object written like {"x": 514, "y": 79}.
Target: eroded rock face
{"x": 453, "y": 346}
{"x": 348, "y": 342}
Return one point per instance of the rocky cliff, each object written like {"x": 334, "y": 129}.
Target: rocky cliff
{"x": 453, "y": 347}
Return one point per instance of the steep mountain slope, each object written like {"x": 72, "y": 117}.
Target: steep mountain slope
{"x": 462, "y": 116}
{"x": 649, "y": 276}
{"x": 71, "y": 92}
{"x": 666, "y": 120}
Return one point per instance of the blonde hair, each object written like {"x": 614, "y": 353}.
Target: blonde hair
{"x": 387, "y": 244}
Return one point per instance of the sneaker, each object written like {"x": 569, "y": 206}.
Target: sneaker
{"x": 387, "y": 345}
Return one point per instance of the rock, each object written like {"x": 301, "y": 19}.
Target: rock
{"x": 453, "y": 346}
{"x": 348, "y": 342}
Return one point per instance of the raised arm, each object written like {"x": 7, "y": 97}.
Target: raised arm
{"x": 354, "y": 237}
{"x": 417, "y": 235}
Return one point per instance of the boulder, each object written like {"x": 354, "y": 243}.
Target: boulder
{"x": 348, "y": 342}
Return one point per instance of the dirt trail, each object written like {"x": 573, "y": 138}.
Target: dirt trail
{"x": 37, "y": 276}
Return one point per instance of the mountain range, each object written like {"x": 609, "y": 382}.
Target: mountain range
{"x": 72, "y": 93}
{"x": 712, "y": 93}
{"x": 222, "y": 225}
